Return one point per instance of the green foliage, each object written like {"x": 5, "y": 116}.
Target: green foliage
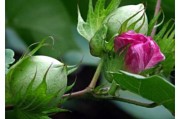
{"x": 95, "y": 17}
{"x": 9, "y": 54}
{"x": 154, "y": 88}
{"x": 165, "y": 40}
{"x": 113, "y": 63}
{"x": 35, "y": 19}
{"x": 19, "y": 114}
{"x": 97, "y": 43}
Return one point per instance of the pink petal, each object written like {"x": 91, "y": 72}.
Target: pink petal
{"x": 134, "y": 59}
{"x": 129, "y": 37}
{"x": 156, "y": 57}
{"x": 142, "y": 53}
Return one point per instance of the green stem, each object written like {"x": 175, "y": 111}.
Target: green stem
{"x": 91, "y": 85}
{"x": 96, "y": 75}
{"x": 148, "y": 105}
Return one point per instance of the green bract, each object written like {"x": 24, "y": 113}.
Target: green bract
{"x": 112, "y": 63}
{"x": 37, "y": 83}
{"x": 132, "y": 14}
{"x": 22, "y": 74}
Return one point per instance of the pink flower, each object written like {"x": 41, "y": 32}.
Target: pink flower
{"x": 142, "y": 51}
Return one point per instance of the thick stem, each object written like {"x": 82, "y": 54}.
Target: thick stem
{"x": 91, "y": 85}
{"x": 157, "y": 9}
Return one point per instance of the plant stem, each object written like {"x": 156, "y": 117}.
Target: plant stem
{"x": 96, "y": 75}
{"x": 78, "y": 93}
{"x": 91, "y": 85}
{"x": 157, "y": 8}
{"x": 148, "y": 105}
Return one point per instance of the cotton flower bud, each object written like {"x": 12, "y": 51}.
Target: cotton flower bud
{"x": 142, "y": 51}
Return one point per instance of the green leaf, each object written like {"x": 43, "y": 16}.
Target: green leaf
{"x": 9, "y": 54}
{"x": 154, "y": 88}
{"x": 95, "y": 17}
{"x": 34, "y": 20}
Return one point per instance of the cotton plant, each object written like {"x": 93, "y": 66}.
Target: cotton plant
{"x": 131, "y": 58}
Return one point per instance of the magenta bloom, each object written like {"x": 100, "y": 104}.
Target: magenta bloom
{"x": 142, "y": 52}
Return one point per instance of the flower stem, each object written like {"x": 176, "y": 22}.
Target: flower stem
{"x": 96, "y": 75}
{"x": 91, "y": 85}
{"x": 157, "y": 9}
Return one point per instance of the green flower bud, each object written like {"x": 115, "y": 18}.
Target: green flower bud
{"x": 37, "y": 69}
{"x": 118, "y": 17}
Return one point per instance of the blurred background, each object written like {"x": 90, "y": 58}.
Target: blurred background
{"x": 30, "y": 21}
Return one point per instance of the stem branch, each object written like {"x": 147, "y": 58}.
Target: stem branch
{"x": 157, "y": 9}
{"x": 91, "y": 85}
